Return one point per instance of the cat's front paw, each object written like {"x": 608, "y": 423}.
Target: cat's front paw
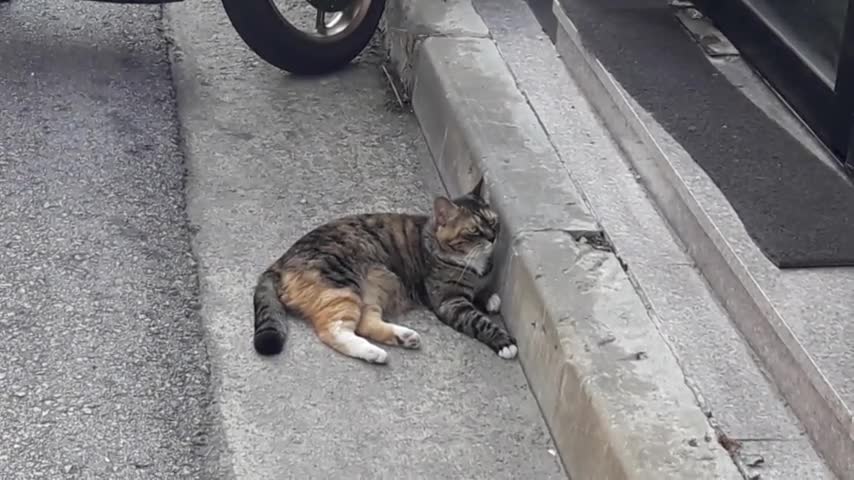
{"x": 493, "y": 305}
{"x": 507, "y": 348}
{"x": 509, "y": 352}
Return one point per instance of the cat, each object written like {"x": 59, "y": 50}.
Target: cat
{"x": 347, "y": 276}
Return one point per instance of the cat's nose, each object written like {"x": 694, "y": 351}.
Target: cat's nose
{"x": 490, "y": 235}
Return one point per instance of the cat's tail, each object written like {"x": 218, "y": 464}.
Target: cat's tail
{"x": 271, "y": 326}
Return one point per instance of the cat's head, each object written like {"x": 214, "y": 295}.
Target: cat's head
{"x": 466, "y": 225}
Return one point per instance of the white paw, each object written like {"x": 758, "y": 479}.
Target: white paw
{"x": 493, "y": 305}
{"x": 406, "y": 337}
{"x": 374, "y": 355}
{"x": 508, "y": 352}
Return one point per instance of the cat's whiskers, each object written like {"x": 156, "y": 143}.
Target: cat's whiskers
{"x": 467, "y": 261}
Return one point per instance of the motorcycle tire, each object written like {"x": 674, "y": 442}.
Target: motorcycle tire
{"x": 267, "y": 33}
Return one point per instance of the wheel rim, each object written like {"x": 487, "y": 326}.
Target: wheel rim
{"x": 330, "y": 26}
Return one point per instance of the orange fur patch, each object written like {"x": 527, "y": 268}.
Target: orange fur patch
{"x": 325, "y": 307}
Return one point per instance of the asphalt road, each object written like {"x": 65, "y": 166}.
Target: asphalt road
{"x": 120, "y": 355}
{"x": 103, "y": 365}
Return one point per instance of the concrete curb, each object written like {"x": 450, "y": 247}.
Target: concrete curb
{"x": 608, "y": 385}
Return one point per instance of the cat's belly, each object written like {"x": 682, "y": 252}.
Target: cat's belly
{"x": 385, "y": 289}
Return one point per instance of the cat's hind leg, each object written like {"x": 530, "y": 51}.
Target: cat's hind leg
{"x": 374, "y": 327}
{"x": 342, "y": 337}
{"x": 334, "y": 313}
{"x": 382, "y": 290}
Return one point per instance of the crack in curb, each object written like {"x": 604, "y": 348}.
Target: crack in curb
{"x": 595, "y": 239}
{"x": 420, "y": 33}
{"x": 731, "y": 445}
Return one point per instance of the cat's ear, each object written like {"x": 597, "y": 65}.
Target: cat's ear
{"x": 443, "y": 210}
{"x": 477, "y": 191}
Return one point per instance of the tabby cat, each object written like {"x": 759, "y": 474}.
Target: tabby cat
{"x": 347, "y": 276}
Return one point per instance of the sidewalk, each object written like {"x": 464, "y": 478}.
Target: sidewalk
{"x": 636, "y": 369}
{"x": 270, "y": 156}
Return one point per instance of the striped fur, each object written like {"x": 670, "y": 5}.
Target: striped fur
{"x": 348, "y": 276}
